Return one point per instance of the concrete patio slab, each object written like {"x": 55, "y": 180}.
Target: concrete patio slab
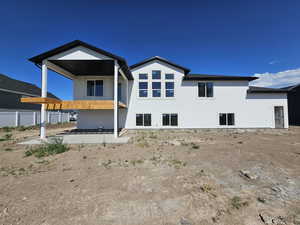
{"x": 81, "y": 139}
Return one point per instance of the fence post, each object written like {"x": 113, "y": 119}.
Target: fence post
{"x": 17, "y": 121}
{"x": 59, "y": 117}
{"x": 48, "y": 117}
{"x": 34, "y": 118}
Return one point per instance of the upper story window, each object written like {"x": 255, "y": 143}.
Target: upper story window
{"x": 169, "y": 89}
{"x": 169, "y": 76}
{"x": 94, "y": 88}
{"x": 143, "y": 76}
{"x": 156, "y": 89}
{"x": 156, "y": 74}
{"x": 205, "y": 89}
{"x": 143, "y": 89}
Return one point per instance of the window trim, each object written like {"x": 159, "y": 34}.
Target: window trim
{"x": 86, "y": 88}
{"x": 205, "y": 90}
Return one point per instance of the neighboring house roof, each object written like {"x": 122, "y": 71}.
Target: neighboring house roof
{"x": 186, "y": 70}
{"x": 216, "y": 77}
{"x": 17, "y": 86}
{"x": 122, "y": 62}
{"x": 254, "y": 89}
{"x": 291, "y": 88}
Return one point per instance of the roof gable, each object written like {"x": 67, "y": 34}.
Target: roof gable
{"x": 186, "y": 70}
{"x": 71, "y": 45}
{"x": 39, "y": 58}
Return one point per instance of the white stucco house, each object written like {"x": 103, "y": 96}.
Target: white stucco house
{"x": 155, "y": 94}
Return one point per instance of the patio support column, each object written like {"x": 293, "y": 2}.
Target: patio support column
{"x": 116, "y": 71}
{"x": 43, "y": 107}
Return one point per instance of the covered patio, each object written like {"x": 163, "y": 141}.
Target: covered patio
{"x": 79, "y": 60}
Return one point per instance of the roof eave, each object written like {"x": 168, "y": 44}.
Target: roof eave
{"x": 185, "y": 78}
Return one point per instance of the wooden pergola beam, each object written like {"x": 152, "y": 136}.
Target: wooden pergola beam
{"x": 40, "y": 100}
{"x": 55, "y": 104}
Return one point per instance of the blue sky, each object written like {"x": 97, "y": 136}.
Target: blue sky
{"x": 212, "y": 36}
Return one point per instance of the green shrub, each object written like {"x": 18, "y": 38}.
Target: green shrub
{"x": 53, "y": 148}
{"x": 237, "y": 202}
{"x": 7, "y": 129}
{"x": 6, "y": 137}
{"x": 21, "y": 128}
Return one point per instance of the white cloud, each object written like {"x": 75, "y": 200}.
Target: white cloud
{"x": 273, "y": 62}
{"x": 280, "y": 79}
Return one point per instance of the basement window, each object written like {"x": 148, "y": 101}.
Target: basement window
{"x": 143, "y": 120}
{"x": 169, "y": 119}
{"x": 94, "y": 88}
{"x": 226, "y": 119}
{"x": 205, "y": 89}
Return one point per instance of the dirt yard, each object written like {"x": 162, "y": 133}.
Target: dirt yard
{"x": 191, "y": 177}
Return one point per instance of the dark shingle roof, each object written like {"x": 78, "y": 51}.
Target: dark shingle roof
{"x": 186, "y": 70}
{"x": 216, "y": 77}
{"x": 254, "y": 89}
{"x": 122, "y": 62}
{"x": 8, "y": 83}
{"x": 290, "y": 88}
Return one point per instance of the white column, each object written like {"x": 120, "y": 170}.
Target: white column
{"x": 44, "y": 95}
{"x": 116, "y": 69}
{"x": 17, "y": 121}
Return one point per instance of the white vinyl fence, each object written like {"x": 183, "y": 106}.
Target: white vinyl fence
{"x": 19, "y": 118}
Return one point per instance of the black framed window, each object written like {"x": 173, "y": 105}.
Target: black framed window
{"x": 226, "y": 119}
{"x": 156, "y": 74}
{"x": 230, "y": 119}
{"x": 147, "y": 120}
{"x": 143, "y": 76}
{"x": 139, "y": 119}
{"x": 94, "y": 88}
{"x": 169, "y": 89}
{"x": 169, "y": 119}
{"x": 169, "y": 76}
{"x": 143, "y": 89}
{"x": 143, "y": 119}
{"x": 156, "y": 89}
{"x": 90, "y": 88}
{"x": 205, "y": 89}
